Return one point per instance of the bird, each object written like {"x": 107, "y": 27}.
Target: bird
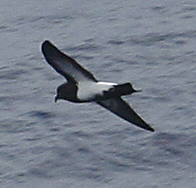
{"x": 81, "y": 86}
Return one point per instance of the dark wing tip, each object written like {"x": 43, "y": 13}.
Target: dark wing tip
{"x": 150, "y": 129}
{"x": 47, "y": 47}
{"x": 46, "y": 42}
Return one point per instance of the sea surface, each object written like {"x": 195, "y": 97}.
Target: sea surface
{"x": 151, "y": 44}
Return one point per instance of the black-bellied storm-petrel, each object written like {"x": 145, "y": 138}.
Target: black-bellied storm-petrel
{"x": 82, "y": 86}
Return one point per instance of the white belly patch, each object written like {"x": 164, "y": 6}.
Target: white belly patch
{"x": 87, "y": 91}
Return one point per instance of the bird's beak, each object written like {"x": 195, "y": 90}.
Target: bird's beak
{"x": 56, "y": 99}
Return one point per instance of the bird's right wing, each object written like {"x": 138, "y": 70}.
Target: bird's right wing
{"x": 119, "y": 107}
{"x": 65, "y": 65}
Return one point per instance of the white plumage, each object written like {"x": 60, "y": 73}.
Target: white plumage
{"x": 88, "y": 90}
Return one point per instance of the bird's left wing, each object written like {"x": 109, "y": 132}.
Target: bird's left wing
{"x": 119, "y": 107}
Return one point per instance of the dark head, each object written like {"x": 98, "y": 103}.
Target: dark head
{"x": 66, "y": 92}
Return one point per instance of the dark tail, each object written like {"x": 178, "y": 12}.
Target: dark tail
{"x": 124, "y": 89}
{"x": 119, "y": 90}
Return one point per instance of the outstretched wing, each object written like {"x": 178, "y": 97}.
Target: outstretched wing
{"x": 65, "y": 65}
{"x": 119, "y": 107}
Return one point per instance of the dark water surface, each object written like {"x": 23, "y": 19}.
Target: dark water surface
{"x": 150, "y": 43}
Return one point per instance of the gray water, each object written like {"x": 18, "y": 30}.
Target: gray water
{"x": 151, "y": 43}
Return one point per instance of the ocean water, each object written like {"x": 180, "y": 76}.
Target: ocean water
{"x": 151, "y": 43}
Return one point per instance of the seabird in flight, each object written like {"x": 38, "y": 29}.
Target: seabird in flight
{"x": 82, "y": 86}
